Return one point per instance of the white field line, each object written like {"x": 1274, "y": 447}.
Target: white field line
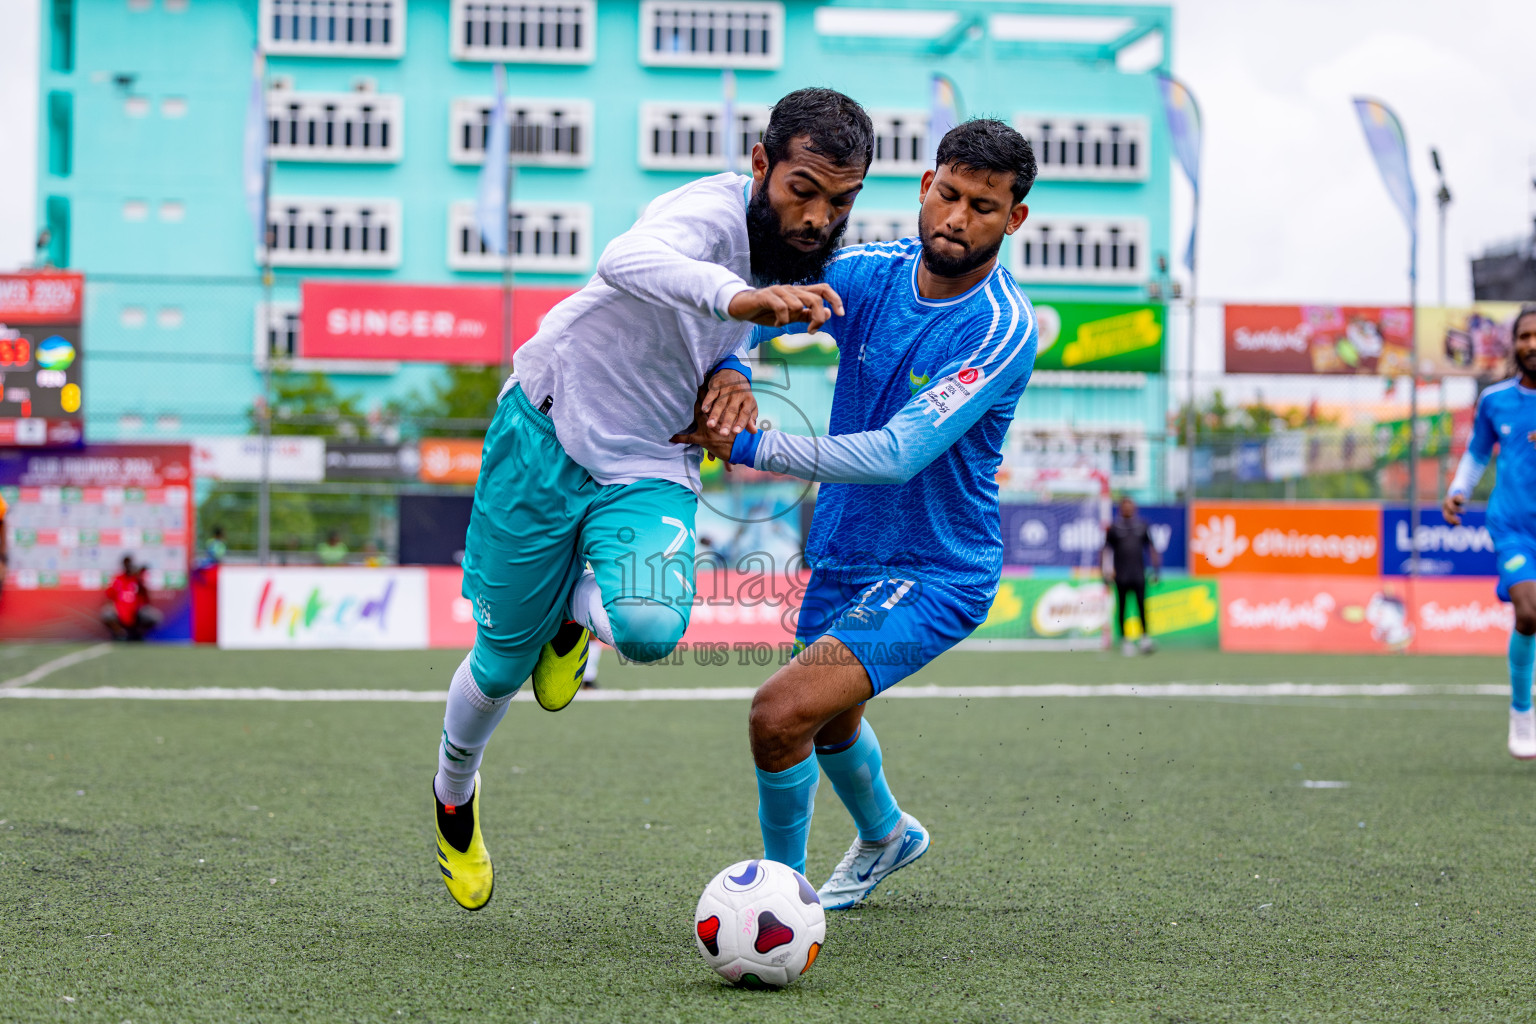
{"x": 743, "y": 693}
{"x": 48, "y": 668}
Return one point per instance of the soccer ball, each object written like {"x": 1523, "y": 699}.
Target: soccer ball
{"x": 759, "y": 924}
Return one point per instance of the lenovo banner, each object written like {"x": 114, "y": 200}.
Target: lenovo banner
{"x": 1276, "y": 537}
{"x": 1346, "y": 615}
{"x": 416, "y": 323}
{"x": 1444, "y": 550}
{"x": 1319, "y": 339}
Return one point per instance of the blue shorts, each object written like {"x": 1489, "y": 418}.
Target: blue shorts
{"x": 1516, "y": 558}
{"x": 893, "y": 626}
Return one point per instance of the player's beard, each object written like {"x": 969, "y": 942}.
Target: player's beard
{"x": 952, "y": 266}
{"x": 774, "y": 260}
{"x": 1525, "y": 367}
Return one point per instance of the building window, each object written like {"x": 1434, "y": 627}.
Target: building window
{"x": 173, "y": 107}
{"x": 345, "y": 127}
{"x": 524, "y": 33}
{"x": 901, "y": 142}
{"x": 1081, "y": 250}
{"x": 333, "y": 28}
{"x": 690, "y": 136}
{"x": 1073, "y": 148}
{"x": 135, "y": 209}
{"x": 62, "y": 51}
{"x": 173, "y": 211}
{"x": 313, "y": 232}
{"x": 879, "y": 226}
{"x": 699, "y": 34}
{"x": 554, "y": 238}
{"x": 61, "y": 109}
{"x": 56, "y": 218}
{"x": 277, "y": 340}
{"x": 545, "y": 133}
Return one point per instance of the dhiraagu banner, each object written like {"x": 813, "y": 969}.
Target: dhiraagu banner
{"x": 1100, "y": 336}
{"x": 1181, "y": 612}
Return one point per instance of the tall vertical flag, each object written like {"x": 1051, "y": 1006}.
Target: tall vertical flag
{"x": 491, "y": 214}
{"x": 728, "y": 141}
{"x": 1389, "y": 145}
{"x": 254, "y": 175}
{"x": 943, "y": 113}
{"x": 1184, "y": 129}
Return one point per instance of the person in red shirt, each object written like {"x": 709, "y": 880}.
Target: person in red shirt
{"x": 128, "y": 612}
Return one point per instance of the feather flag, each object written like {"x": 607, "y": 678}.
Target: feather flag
{"x": 1184, "y": 128}
{"x": 491, "y": 214}
{"x": 1389, "y": 145}
{"x": 943, "y": 113}
{"x": 728, "y": 140}
{"x": 254, "y": 172}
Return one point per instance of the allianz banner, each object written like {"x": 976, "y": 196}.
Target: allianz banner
{"x": 1071, "y": 535}
{"x": 1444, "y": 550}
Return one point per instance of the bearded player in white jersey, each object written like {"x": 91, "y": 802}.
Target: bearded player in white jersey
{"x": 584, "y": 509}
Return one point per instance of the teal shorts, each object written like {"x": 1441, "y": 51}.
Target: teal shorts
{"x": 539, "y": 519}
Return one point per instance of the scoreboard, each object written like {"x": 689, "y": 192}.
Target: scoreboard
{"x": 41, "y": 360}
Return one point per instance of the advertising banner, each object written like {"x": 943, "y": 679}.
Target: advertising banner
{"x": 416, "y": 322}
{"x": 1434, "y": 432}
{"x": 1275, "y": 537}
{"x": 1180, "y": 612}
{"x": 1444, "y": 550}
{"x": 1319, "y": 339}
{"x": 450, "y": 618}
{"x": 433, "y": 527}
{"x": 306, "y": 608}
{"x": 450, "y": 460}
{"x": 1350, "y": 615}
{"x": 1100, "y": 336}
{"x": 238, "y": 459}
{"x": 1473, "y": 341}
{"x": 1071, "y": 535}
{"x": 371, "y": 461}
{"x": 48, "y": 297}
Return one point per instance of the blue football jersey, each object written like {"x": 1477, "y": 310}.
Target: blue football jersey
{"x": 925, "y": 393}
{"x": 1506, "y": 416}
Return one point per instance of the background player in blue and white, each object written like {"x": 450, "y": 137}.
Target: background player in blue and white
{"x": 1506, "y": 416}
{"x": 936, "y": 347}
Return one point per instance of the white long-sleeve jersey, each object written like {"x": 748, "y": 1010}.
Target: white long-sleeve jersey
{"x": 623, "y": 358}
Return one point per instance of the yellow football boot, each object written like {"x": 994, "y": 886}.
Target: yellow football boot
{"x": 557, "y": 674}
{"x": 461, "y": 853}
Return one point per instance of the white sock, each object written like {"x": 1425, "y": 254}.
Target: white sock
{"x": 470, "y": 719}
{"x": 590, "y": 674}
{"x": 587, "y": 607}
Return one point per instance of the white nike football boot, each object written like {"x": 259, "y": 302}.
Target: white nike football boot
{"x": 1522, "y": 734}
{"x": 865, "y": 864}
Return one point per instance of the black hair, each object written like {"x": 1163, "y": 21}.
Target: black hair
{"x": 1529, "y": 309}
{"x": 833, "y": 125}
{"x": 986, "y": 144}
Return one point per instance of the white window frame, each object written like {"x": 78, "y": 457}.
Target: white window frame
{"x": 879, "y": 226}
{"x": 472, "y": 114}
{"x": 283, "y": 318}
{"x": 306, "y": 10}
{"x": 576, "y": 217}
{"x": 1129, "y": 265}
{"x": 703, "y": 119}
{"x": 1076, "y": 147}
{"x": 577, "y": 16}
{"x": 665, "y": 16}
{"x": 905, "y": 132}
{"x": 341, "y": 115}
{"x": 345, "y": 213}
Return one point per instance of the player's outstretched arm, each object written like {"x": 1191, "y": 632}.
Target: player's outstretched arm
{"x": 780, "y": 305}
{"x": 663, "y": 259}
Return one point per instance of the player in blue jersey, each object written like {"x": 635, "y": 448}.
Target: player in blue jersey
{"x": 935, "y": 349}
{"x": 1506, "y": 416}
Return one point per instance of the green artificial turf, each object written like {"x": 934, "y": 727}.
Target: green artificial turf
{"x": 1094, "y": 859}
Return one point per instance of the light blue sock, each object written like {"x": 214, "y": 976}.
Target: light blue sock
{"x": 785, "y": 801}
{"x": 859, "y": 779}
{"x": 1522, "y": 656}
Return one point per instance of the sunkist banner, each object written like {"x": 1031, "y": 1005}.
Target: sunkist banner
{"x": 1073, "y": 336}
{"x": 1319, "y": 339}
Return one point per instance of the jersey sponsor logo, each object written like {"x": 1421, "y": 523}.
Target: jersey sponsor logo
{"x": 1513, "y": 562}
{"x": 950, "y": 394}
